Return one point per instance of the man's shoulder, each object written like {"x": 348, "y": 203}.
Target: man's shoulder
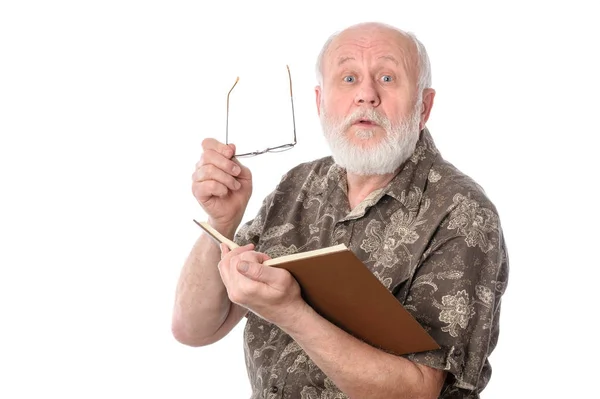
{"x": 441, "y": 182}
{"x": 449, "y": 184}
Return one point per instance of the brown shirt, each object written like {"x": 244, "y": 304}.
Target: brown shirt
{"x": 432, "y": 237}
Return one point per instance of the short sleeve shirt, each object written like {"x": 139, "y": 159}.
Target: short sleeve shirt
{"x": 431, "y": 236}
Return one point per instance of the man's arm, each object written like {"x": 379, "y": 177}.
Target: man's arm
{"x": 203, "y": 313}
{"x": 358, "y": 369}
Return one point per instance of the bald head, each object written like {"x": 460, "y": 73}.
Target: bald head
{"x": 413, "y": 54}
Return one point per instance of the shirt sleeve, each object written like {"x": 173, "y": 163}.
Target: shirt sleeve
{"x": 456, "y": 293}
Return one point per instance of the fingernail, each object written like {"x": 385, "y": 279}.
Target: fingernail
{"x": 243, "y": 267}
{"x": 237, "y": 184}
{"x": 236, "y": 170}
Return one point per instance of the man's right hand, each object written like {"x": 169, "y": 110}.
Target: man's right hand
{"x": 221, "y": 185}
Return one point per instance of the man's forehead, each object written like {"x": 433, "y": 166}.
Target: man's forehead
{"x": 349, "y": 52}
{"x": 382, "y": 45}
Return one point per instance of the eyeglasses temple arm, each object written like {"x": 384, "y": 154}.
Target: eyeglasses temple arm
{"x": 227, "y": 117}
{"x": 292, "y": 99}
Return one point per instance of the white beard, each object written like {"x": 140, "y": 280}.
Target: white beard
{"x": 384, "y": 157}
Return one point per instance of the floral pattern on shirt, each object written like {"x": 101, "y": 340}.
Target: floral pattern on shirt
{"x": 432, "y": 237}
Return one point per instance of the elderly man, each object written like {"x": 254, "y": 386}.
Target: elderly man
{"x": 426, "y": 230}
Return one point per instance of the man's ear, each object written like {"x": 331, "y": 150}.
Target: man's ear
{"x": 428, "y": 96}
{"x": 318, "y": 92}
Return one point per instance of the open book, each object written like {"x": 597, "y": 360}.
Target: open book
{"x": 345, "y": 292}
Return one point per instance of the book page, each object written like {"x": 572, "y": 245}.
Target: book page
{"x": 307, "y": 254}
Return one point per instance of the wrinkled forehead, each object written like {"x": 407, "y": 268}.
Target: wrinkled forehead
{"x": 373, "y": 44}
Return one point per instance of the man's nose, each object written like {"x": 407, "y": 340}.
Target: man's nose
{"x": 367, "y": 94}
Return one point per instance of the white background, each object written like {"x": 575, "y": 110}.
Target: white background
{"x": 103, "y": 107}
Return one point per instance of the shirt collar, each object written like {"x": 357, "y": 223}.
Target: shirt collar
{"x": 413, "y": 172}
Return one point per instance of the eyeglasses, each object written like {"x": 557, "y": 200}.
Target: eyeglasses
{"x": 279, "y": 148}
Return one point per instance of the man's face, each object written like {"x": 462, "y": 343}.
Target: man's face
{"x": 368, "y": 102}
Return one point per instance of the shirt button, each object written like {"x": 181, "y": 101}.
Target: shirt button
{"x": 274, "y": 389}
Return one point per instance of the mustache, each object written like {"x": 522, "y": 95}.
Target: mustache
{"x": 365, "y": 114}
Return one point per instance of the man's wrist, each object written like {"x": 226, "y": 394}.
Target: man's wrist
{"x": 298, "y": 319}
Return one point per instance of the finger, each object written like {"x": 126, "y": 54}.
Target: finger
{"x": 240, "y": 262}
{"x": 211, "y": 172}
{"x": 238, "y": 251}
{"x": 261, "y": 273}
{"x": 224, "y": 250}
{"x": 224, "y": 264}
{"x": 207, "y": 189}
{"x": 244, "y": 170}
{"x": 217, "y": 159}
{"x": 227, "y": 150}
{"x": 253, "y": 256}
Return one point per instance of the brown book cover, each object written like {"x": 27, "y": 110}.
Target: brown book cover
{"x": 345, "y": 292}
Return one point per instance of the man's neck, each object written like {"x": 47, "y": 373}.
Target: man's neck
{"x": 360, "y": 186}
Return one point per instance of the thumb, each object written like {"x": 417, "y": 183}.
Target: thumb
{"x": 258, "y": 272}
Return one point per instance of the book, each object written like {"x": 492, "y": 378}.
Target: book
{"x": 340, "y": 287}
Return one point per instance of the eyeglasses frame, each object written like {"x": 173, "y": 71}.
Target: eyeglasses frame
{"x": 279, "y": 148}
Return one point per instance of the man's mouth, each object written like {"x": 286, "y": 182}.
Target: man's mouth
{"x": 365, "y": 122}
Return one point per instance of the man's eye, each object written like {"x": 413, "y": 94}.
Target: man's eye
{"x": 386, "y": 78}
{"x": 349, "y": 79}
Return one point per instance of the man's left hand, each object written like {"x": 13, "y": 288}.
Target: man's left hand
{"x": 270, "y": 292}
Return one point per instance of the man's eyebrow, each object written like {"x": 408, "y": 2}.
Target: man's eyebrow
{"x": 341, "y": 60}
{"x": 390, "y": 58}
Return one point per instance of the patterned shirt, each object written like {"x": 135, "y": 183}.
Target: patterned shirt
{"x": 431, "y": 236}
